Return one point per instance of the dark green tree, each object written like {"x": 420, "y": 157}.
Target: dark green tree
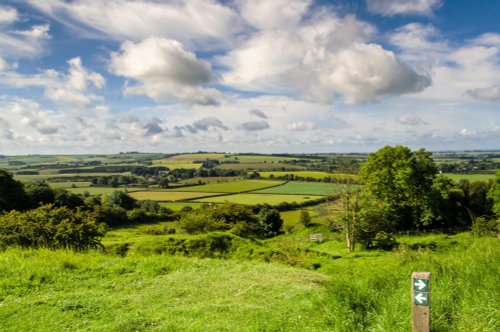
{"x": 12, "y": 195}
{"x": 494, "y": 195}
{"x": 122, "y": 199}
{"x": 270, "y": 222}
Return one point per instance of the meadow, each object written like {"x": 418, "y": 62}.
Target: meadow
{"x": 233, "y": 187}
{"x": 470, "y": 177}
{"x": 254, "y": 199}
{"x": 302, "y": 286}
{"x": 305, "y": 188}
{"x": 308, "y": 174}
{"x": 164, "y": 196}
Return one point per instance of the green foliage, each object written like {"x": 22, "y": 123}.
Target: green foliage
{"x": 51, "y": 227}
{"x": 220, "y": 217}
{"x": 12, "y": 195}
{"x": 39, "y": 193}
{"x": 494, "y": 195}
{"x": 270, "y": 221}
{"x": 398, "y": 183}
{"x": 120, "y": 198}
{"x": 305, "y": 218}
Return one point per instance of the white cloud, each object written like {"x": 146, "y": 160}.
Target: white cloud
{"x": 164, "y": 70}
{"x": 72, "y": 88}
{"x": 3, "y": 65}
{"x": 276, "y": 14}
{"x": 8, "y": 15}
{"x": 24, "y": 43}
{"x": 408, "y": 120}
{"x": 361, "y": 73}
{"x": 204, "y": 23}
{"x": 488, "y": 39}
{"x": 491, "y": 93}
{"x": 403, "y": 7}
{"x": 300, "y": 126}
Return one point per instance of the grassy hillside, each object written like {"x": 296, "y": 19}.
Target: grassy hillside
{"x": 364, "y": 291}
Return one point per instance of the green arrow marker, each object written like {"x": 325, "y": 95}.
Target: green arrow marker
{"x": 421, "y": 285}
{"x": 421, "y": 298}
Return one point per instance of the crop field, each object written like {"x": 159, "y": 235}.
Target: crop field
{"x": 41, "y": 177}
{"x": 179, "y": 206}
{"x": 232, "y": 187}
{"x": 308, "y": 174}
{"x": 207, "y": 180}
{"x": 254, "y": 199}
{"x": 258, "y": 166}
{"x": 178, "y": 165}
{"x": 304, "y": 188}
{"x": 69, "y": 184}
{"x": 470, "y": 177}
{"x": 166, "y": 196}
{"x": 95, "y": 191}
{"x": 197, "y": 156}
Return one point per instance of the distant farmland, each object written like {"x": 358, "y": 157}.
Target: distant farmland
{"x": 304, "y": 188}
{"x": 254, "y": 199}
{"x": 232, "y": 187}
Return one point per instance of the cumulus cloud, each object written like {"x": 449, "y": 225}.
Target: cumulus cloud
{"x": 488, "y": 39}
{"x": 258, "y": 113}
{"x": 254, "y": 125}
{"x": 204, "y": 23}
{"x": 300, "y": 126}
{"x": 403, "y": 7}
{"x": 410, "y": 120}
{"x": 360, "y": 72}
{"x": 491, "y": 93}
{"x": 164, "y": 70}
{"x": 207, "y": 123}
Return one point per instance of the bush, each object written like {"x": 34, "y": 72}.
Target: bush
{"x": 52, "y": 228}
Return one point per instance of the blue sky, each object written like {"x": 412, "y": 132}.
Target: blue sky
{"x": 248, "y": 75}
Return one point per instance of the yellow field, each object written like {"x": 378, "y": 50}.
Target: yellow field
{"x": 169, "y": 196}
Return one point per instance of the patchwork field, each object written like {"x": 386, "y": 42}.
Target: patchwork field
{"x": 254, "y": 199}
{"x": 304, "y": 188}
{"x": 166, "y": 196}
{"x": 94, "y": 191}
{"x": 308, "y": 174}
{"x": 259, "y": 166}
{"x": 69, "y": 184}
{"x": 233, "y": 187}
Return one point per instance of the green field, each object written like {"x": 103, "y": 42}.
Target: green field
{"x": 179, "y": 206}
{"x": 232, "y": 187}
{"x": 258, "y": 166}
{"x": 166, "y": 196}
{"x": 470, "y": 177}
{"x": 304, "y": 188}
{"x": 253, "y": 199}
{"x": 46, "y": 176}
{"x": 308, "y": 174}
{"x": 144, "y": 291}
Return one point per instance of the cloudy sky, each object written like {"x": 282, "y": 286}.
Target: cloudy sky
{"x": 93, "y": 76}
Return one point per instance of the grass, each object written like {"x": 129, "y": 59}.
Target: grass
{"x": 470, "y": 177}
{"x": 68, "y": 184}
{"x": 304, "y": 188}
{"x": 232, "y": 187}
{"x": 258, "y": 166}
{"x": 165, "y": 196}
{"x": 179, "y": 206}
{"x": 253, "y": 199}
{"x": 144, "y": 291}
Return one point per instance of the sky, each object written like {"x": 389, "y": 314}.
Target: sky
{"x": 262, "y": 76}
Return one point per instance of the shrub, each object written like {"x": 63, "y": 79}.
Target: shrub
{"x": 52, "y": 228}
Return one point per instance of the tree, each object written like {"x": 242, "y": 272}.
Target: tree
{"x": 494, "y": 195}
{"x": 12, "y": 195}
{"x": 398, "y": 185}
{"x": 121, "y": 199}
{"x": 271, "y": 222}
{"x": 305, "y": 218}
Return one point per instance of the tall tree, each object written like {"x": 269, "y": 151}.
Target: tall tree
{"x": 398, "y": 185}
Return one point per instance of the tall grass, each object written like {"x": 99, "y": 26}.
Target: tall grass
{"x": 43, "y": 290}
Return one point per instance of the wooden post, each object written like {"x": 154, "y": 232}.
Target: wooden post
{"x": 420, "y": 299}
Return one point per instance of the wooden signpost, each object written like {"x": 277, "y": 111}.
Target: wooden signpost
{"x": 420, "y": 293}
